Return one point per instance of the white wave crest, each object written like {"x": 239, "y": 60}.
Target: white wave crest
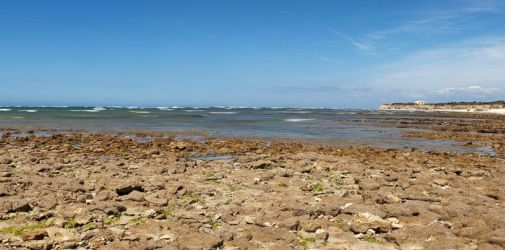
{"x": 140, "y": 112}
{"x": 222, "y": 112}
{"x": 85, "y": 110}
{"x": 298, "y": 120}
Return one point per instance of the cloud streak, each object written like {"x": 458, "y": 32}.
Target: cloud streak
{"x": 474, "y": 89}
{"x": 442, "y": 21}
{"x": 353, "y": 42}
{"x": 471, "y": 69}
{"x": 178, "y": 27}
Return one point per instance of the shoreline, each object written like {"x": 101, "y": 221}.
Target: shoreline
{"x": 133, "y": 189}
{"x": 492, "y": 111}
{"x": 112, "y": 192}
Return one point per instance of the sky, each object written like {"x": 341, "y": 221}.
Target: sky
{"x": 291, "y": 53}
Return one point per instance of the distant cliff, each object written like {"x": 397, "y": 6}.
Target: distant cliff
{"x": 449, "y": 106}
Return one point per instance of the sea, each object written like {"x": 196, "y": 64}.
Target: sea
{"x": 345, "y": 127}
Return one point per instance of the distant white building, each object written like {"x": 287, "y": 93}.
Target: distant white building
{"x": 418, "y": 102}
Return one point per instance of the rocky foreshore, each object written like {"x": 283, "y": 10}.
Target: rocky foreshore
{"x": 497, "y": 107}
{"x": 103, "y": 191}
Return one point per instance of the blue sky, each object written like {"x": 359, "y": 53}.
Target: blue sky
{"x": 251, "y": 53}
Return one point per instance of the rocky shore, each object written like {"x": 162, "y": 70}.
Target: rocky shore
{"x": 497, "y": 107}
{"x": 105, "y": 191}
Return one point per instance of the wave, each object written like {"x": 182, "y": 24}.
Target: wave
{"x": 165, "y": 108}
{"x": 29, "y": 110}
{"x": 223, "y": 112}
{"x": 5, "y": 110}
{"x": 193, "y": 110}
{"x": 295, "y": 112}
{"x": 298, "y": 120}
{"x": 85, "y": 110}
{"x": 141, "y": 112}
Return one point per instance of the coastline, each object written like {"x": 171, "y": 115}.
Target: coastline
{"x": 491, "y": 111}
{"x": 114, "y": 191}
{"x": 496, "y": 107}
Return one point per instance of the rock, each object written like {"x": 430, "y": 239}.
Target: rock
{"x": 179, "y": 145}
{"x": 370, "y": 232}
{"x": 290, "y": 223}
{"x": 364, "y": 221}
{"x": 404, "y": 209}
{"x": 390, "y": 178}
{"x": 200, "y": 241}
{"x": 369, "y": 184}
{"x": 285, "y": 173}
{"x": 37, "y": 234}
{"x": 134, "y": 196}
{"x": 21, "y": 206}
{"x": 389, "y": 199}
{"x": 84, "y": 218}
{"x": 249, "y": 220}
{"x": 395, "y": 223}
{"x": 321, "y": 235}
{"x": 261, "y": 164}
{"x": 310, "y": 226}
{"x": 441, "y": 182}
{"x": 5, "y": 160}
{"x": 350, "y": 208}
{"x": 125, "y": 189}
{"x": 106, "y": 195}
{"x": 151, "y": 213}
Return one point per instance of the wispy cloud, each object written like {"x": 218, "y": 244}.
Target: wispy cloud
{"x": 441, "y": 21}
{"x": 177, "y": 27}
{"x": 353, "y": 42}
{"x": 321, "y": 58}
{"x": 474, "y": 89}
{"x": 471, "y": 69}
{"x": 316, "y": 88}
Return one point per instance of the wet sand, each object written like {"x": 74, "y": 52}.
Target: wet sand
{"x": 110, "y": 191}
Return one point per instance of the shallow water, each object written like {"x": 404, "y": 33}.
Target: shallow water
{"x": 342, "y": 126}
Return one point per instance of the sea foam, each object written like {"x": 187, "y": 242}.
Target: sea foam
{"x": 140, "y": 112}
{"x": 223, "y": 112}
{"x": 298, "y": 120}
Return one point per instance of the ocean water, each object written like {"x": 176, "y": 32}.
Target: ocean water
{"x": 339, "y": 126}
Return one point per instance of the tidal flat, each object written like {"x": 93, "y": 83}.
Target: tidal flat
{"x": 98, "y": 190}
